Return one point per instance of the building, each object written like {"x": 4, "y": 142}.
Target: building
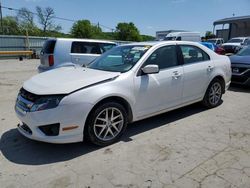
{"x": 160, "y": 35}
{"x": 228, "y": 28}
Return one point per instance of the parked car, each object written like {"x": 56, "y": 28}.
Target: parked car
{"x": 235, "y": 44}
{"x": 128, "y": 83}
{"x": 67, "y": 52}
{"x": 240, "y": 64}
{"x": 216, "y": 41}
{"x": 214, "y": 47}
{"x": 184, "y": 36}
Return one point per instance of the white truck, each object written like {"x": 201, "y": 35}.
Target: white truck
{"x": 184, "y": 36}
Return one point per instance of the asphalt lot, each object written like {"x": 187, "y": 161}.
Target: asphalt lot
{"x": 189, "y": 147}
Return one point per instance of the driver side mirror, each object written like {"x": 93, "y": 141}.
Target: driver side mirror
{"x": 150, "y": 69}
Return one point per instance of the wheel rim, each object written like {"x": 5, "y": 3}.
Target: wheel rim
{"x": 108, "y": 124}
{"x": 215, "y": 93}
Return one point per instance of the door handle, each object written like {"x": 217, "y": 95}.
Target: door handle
{"x": 77, "y": 59}
{"x": 176, "y": 75}
{"x": 210, "y": 68}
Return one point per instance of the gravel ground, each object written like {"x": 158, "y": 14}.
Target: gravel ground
{"x": 190, "y": 147}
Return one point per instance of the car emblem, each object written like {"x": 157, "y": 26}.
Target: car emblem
{"x": 236, "y": 70}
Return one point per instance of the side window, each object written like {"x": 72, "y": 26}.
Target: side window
{"x": 164, "y": 57}
{"x": 192, "y": 54}
{"x": 106, "y": 46}
{"x": 85, "y": 48}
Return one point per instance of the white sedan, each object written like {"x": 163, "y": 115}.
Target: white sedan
{"x": 126, "y": 84}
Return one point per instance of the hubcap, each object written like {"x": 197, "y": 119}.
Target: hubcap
{"x": 215, "y": 93}
{"x": 108, "y": 124}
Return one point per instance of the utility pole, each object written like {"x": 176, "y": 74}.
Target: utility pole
{"x": 1, "y": 17}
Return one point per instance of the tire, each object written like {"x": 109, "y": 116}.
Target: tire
{"x": 102, "y": 129}
{"x": 213, "y": 94}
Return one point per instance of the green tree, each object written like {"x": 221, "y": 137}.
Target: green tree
{"x": 10, "y": 26}
{"x": 84, "y": 29}
{"x": 26, "y": 22}
{"x": 45, "y": 18}
{"x": 25, "y": 16}
{"x": 209, "y": 35}
{"x": 147, "y": 38}
{"x": 127, "y": 32}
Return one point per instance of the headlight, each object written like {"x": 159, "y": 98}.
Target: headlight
{"x": 45, "y": 103}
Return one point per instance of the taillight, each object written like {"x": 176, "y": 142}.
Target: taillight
{"x": 51, "y": 60}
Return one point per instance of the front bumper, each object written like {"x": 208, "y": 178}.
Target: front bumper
{"x": 65, "y": 115}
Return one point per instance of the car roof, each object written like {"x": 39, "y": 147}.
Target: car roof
{"x": 156, "y": 43}
{"x": 82, "y": 40}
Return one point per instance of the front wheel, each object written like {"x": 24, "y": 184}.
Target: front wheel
{"x": 213, "y": 94}
{"x": 106, "y": 124}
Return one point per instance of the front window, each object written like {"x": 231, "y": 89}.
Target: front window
{"x": 235, "y": 41}
{"x": 164, "y": 57}
{"x": 119, "y": 59}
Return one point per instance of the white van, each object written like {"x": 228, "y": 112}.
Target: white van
{"x": 185, "y": 36}
{"x": 67, "y": 52}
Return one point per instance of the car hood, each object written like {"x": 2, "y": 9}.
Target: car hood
{"x": 231, "y": 44}
{"x": 66, "y": 80}
{"x": 235, "y": 59}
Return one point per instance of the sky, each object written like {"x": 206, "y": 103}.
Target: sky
{"x": 148, "y": 15}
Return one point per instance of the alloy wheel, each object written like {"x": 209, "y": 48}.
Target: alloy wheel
{"x": 108, "y": 123}
{"x": 215, "y": 93}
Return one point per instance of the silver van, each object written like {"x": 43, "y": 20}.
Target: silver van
{"x": 67, "y": 52}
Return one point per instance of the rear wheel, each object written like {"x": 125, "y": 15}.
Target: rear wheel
{"x": 213, "y": 94}
{"x": 106, "y": 123}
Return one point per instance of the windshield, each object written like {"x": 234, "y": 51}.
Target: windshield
{"x": 244, "y": 52}
{"x": 119, "y": 59}
{"x": 235, "y": 41}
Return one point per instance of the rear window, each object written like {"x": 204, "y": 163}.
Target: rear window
{"x": 49, "y": 47}
{"x": 90, "y": 47}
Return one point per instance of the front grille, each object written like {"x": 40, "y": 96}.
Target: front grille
{"x": 239, "y": 79}
{"x": 26, "y": 128}
{"x": 229, "y": 49}
{"x": 240, "y": 69}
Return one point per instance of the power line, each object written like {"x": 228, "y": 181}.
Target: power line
{"x": 54, "y": 17}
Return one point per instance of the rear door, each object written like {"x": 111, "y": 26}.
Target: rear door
{"x": 197, "y": 68}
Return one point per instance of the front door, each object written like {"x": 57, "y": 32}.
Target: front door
{"x": 163, "y": 90}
